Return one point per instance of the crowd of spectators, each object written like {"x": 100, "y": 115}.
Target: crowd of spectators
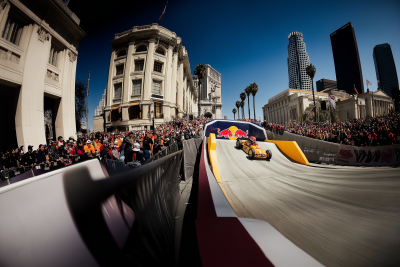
{"x": 379, "y": 131}
{"x": 133, "y": 148}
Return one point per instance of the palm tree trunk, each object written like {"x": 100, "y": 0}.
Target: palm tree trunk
{"x": 248, "y": 103}
{"x": 312, "y": 86}
{"x": 198, "y": 100}
{"x": 234, "y": 117}
{"x": 254, "y": 107}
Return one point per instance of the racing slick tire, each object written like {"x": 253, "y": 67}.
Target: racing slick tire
{"x": 252, "y": 153}
{"x": 239, "y": 144}
{"x": 269, "y": 154}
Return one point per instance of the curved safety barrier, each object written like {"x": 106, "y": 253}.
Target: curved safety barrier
{"x": 212, "y": 155}
{"x": 292, "y": 150}
{"x": 227, "y": 129}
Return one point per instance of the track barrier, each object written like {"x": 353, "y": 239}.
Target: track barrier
{"x": 331, "y": 153}
{"x": 292, "y": 150}
{"x": 212, "y": 155}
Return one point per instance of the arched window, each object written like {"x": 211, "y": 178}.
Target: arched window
{"x": 141, "y": 48}
{"x": 160, "y": 51}
{"x": 122, "y": 53}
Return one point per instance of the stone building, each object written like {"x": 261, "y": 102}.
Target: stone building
{"x": 297, "y": 62}
{"x": 289, "y": 105}
{"x": 38, "y": 55}
{"x": 149, "y": 79}
{"x": 369, "y": 104}
{"x": 102, "y": 104}
{"x": 210, "y": 95}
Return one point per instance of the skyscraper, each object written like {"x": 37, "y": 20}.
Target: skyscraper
{"x": 347, "y": 60}
{"x": 385, "y": 69}
{"x": 298, "y": 61}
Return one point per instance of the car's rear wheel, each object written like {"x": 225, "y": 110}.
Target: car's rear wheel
{"x": 269, "y": 154}
{"x": 239, "y": 144}
{"x": 251, "y": 153}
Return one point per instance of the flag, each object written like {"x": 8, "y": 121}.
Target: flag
{"x": 162, "y": 14}
{"x": 377, "y": 81}
{"x": 369, "y": 83}
{"x": 120, "y": 108}
{"x": 355, "y": 90}
{"x": 333, "y": 103}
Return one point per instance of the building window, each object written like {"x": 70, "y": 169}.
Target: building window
{"x": 160, "y": 51}
{"x": 158, "y": 66}
{"x": 13, "y": 28}
{"x": 136, "y": 86}
{"x": 158, "y": 110}
{"x": 141, "y": 48}
{"x": 116, "y": 115}
{"x": 117, "y": 90}
{"x": 156, "y": 88}
{"x": 122, "y": 53}
{"x": 120, "y": 69}
{"x": 134, "y": 112}
{"x": 54, "y": 56}
{"x": 139, "y": 65}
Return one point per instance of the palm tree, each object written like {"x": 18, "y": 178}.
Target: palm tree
{"x": 243, "y": 98}
{"x": 248, "y": 92}
{"x": 311, "y": 70}
{"x": 200, "y": 72}
{"x": 238, "y": 107}
{"x": 234, "y": 113}
{"x": 242, "y": 103}
{"x": 254, "y": 90}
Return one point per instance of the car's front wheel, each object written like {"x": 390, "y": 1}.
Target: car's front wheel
{"x": 251, "y": 153}
{"x": 269, "y": 154}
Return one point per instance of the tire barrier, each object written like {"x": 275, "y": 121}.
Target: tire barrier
{"x": 332, "y": 153}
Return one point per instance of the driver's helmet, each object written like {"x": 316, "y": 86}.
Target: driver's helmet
{"x": 252, "y": 139}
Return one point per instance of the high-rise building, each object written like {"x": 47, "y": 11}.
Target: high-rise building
{"x": 347, "y": 60}
{"x": 385, "y": 70}
{"x": 298, "y": 61}
{"x": 324, "y": 84}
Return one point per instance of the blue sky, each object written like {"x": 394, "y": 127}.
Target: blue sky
{"x": 246, "y": 41}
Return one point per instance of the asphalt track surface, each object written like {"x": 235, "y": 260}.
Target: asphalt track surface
{"x": 341, "y": 216}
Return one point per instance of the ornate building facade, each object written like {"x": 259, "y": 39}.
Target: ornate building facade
{"x": 297, "y": 62}
{"x": 289, "y": 105}
{"x": 38, "y": 55}
{"x": 149, "y": 79}
{"x": 210, "y": 93}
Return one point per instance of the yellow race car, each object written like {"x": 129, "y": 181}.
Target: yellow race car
{"x": 252, "y": 149}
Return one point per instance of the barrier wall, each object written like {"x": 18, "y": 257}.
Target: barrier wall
{"x": 224, "y": 129}
{"x": 332, "y": 153}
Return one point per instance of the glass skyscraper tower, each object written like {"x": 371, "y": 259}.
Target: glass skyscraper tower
{"x": 385, "y": 69}
{"x": 298, "y": 61}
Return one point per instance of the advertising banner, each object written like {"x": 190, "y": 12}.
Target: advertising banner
{"x": 235, "y": 129}
{"x": 369, "y": 156}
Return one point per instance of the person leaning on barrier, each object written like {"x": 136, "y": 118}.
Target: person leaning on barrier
{"x": 89, "y": 149}
{"x": 29, "y": 157}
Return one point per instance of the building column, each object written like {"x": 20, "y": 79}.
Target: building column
{"x": 4, "y": 15}
{"x": 173, "y": 84}
{"x": 127, "y": 89}
{"x": 29, "y": 117}
{"x": 180, "y": 89}
{"x": 167, "y": 84}
{"x": 148, "y": 80}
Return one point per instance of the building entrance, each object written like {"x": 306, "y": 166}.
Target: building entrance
{"x": 8, "y": 108}
{"x": 50, "y": 107}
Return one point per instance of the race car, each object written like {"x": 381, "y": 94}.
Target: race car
{"x": 252, "y": 149}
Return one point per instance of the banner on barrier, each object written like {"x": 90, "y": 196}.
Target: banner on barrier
{"x": 235, "y": 129}
{"x": 369, "y": 156}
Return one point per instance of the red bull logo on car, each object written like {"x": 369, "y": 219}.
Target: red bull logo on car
{"x": 232, "y": 133}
